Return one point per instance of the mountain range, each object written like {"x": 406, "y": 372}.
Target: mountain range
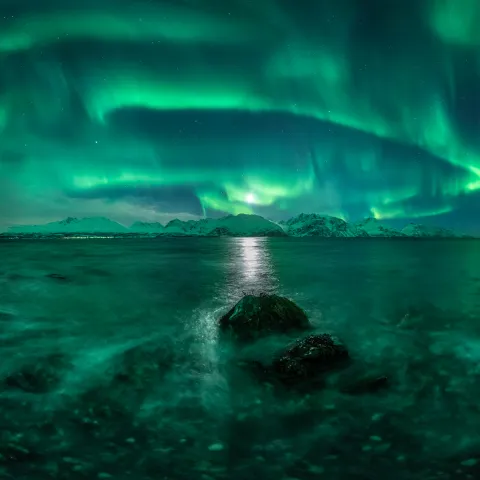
{"x": 303, "y": 225}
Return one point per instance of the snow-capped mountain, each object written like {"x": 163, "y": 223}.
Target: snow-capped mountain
{"x": 233, "y": 225}
{"x": 315, "y": 225}
{"x": 423, "y": 231}
{"x": 147, "y": 227}
{"x": 247, "y": 225}
{"x": 303, "y": 225}
{"x": 73, "y": 225}
{"x": 190, "y": 227}
{"x": 373, "y": 228}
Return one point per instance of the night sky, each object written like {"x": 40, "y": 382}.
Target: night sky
{"x": 150, "y": 110}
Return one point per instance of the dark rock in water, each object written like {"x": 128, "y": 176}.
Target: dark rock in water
{"x": 422, "y": 316}
{"x": 56, "y": 276}
{"x": 366, "y": 385}
{"x": 12, "y": 452}
{"x": 254, "y": 316}
{"x": 310, "y": 357}
{"x": 40, "y": 376}
{"x": 5, "y": 316}
{"x": 143, "y": 365}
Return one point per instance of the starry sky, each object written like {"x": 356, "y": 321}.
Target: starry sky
{"x": 155, "y": 109}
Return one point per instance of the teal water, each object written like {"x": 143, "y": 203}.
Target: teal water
{"x": 142, "y": 387}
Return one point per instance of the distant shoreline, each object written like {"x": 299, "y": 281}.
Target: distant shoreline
{"x": 121, "y": 236}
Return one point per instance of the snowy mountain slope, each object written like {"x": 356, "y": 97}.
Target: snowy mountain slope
{"x": 373, "y": 228}
{"x": 424, "y": 231}
{"x": 303, "y": 225}
{"x": 190, "y": 227}
{"x": 73, "y": 225}
{"x": 21, "y": 229}
{"x": 232, "y": 225}
{"x": 248, "y": 225}
{"x": 315, "y": 225}
{"x": 147, "y": 227}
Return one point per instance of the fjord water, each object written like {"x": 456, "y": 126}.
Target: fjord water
{"x": 406, "y": 309}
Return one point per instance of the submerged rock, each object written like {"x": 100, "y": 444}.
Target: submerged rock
{"x": 143, "y": 365}
{"x": 6, "y": 316}
{"x": 39, "y": 376}
{"x": 56, "y": 276}
{"x": 254, "y": 316}
{"x": 366, "y": 385}
{"x": 13, "y": 452}
{"x": 309, "y": 358}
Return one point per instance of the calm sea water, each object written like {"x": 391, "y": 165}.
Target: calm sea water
{"x": 141, "y": 386}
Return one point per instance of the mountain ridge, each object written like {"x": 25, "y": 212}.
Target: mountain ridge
{"x": 242, "y": 225}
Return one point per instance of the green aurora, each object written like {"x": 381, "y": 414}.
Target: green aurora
{"x": 162, "y": 109}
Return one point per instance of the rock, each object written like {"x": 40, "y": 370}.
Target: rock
{"x": 13, "y": 452}
{"x": 422, "y": 315}
{"x": 39, "y": 376}
{"x": 366, "y": 385}
{"x": 6, "y": 316}
{"x": 254, "y": 316}
{"x": 310, "y": 357}
{"x": 143, "y": 365}
{"x": 56, "y": 276}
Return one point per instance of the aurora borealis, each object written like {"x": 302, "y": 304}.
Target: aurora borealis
{"x": 158, "y": 109}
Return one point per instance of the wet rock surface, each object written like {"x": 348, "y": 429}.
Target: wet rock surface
{"x": 303, "y": 362}
{"x": 310, "y": 357}
{"x": 254, "y": 316}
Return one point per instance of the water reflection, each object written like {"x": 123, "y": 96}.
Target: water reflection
{"x": 252, "y": 257}
{"x": 251, "y": 268}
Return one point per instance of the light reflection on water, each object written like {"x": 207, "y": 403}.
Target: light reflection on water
{"x": 251, "y": 268}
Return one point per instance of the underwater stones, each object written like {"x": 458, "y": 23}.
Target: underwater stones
{"x": 142, "y": 366}
{"x": 56, "y": 276}
{"x": 39, "y": 376}
{"x": 310, "y": 357}
{"x": 6, "y": 316}
{"x": 16, "y": 448}
{"x": 366, "y": 385}
{"x": 422, "y": 314}
{"x": 255, "y": 316}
